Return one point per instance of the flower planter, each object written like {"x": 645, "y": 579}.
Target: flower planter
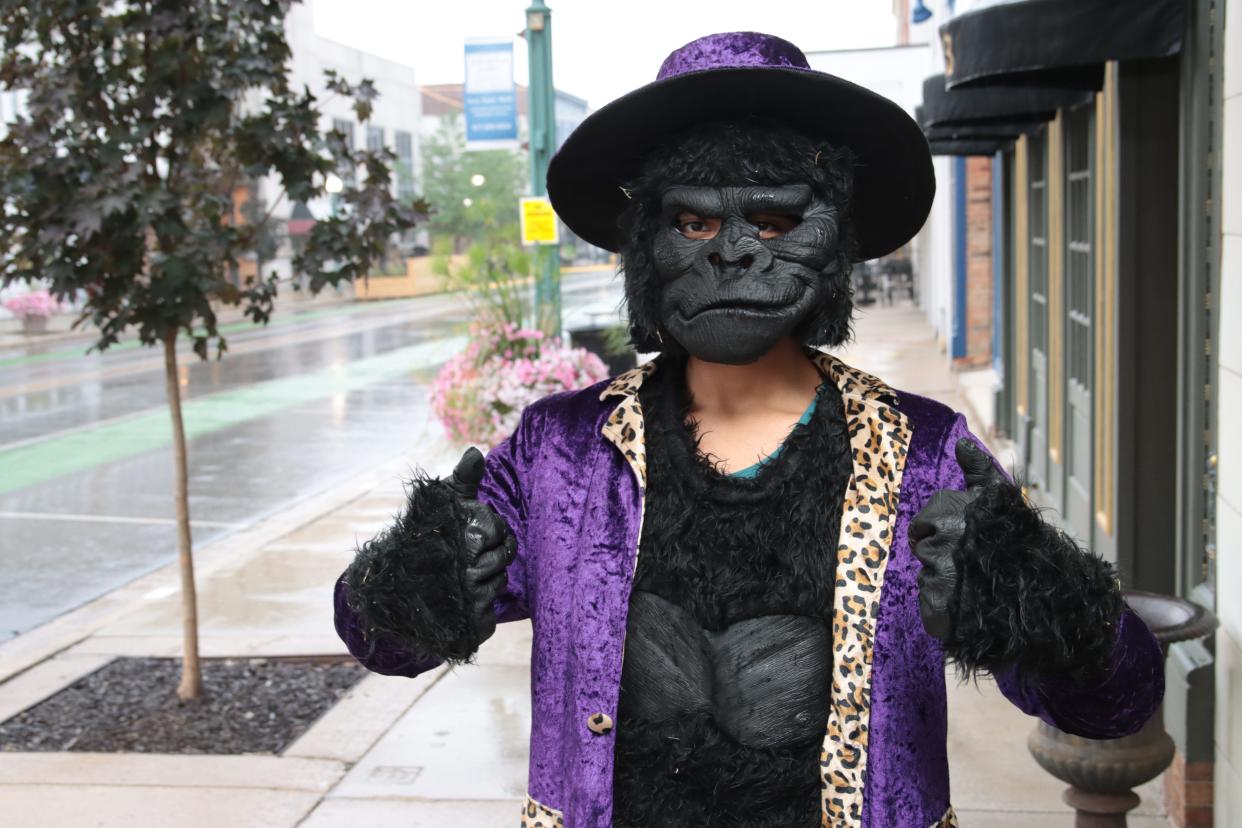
{"x": 480, "y": 393}
{"x": 34, "y": 324}
{"x": 33, "y": 308}
{"x": 1101, "y": 773}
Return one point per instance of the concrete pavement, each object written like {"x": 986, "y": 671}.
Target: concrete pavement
{"x": 398, "y": 752}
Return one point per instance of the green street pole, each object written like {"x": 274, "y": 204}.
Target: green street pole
{"x": 542, "y": 100}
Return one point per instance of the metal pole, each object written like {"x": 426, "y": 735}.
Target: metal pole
{"x": 542, "y": 100}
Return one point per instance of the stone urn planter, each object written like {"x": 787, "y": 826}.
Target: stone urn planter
{"x": 34, "y": 324}
{"x": 1102, "y": 773}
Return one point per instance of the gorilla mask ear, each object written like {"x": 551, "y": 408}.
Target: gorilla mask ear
{"x": 737, "y": 153}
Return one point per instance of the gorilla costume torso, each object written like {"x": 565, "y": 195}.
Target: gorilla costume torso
{"x": 724, "y": 687}
{"x": 725, "y": 683}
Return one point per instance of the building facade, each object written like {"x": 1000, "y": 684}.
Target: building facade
{"x": 1100, "y": 131}
{"x": 1223, "y": 451}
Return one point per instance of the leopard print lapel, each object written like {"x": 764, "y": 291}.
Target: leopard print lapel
{"x": 624, "y": 427}
{"x": 879, "y": 439}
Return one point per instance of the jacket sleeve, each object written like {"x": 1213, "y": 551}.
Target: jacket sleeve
{"x": 1070, "y": 597}
{"x": 501, "y": 488}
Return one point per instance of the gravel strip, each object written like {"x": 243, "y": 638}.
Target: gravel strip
{"x": 130, "y": 705}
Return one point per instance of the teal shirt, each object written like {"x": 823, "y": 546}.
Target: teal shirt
{"x": 751, "y": 471}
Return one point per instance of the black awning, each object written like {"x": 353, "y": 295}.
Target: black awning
{"x": 976, "y": 146}
{"x": 993, "y": 104}
{"x": 1062, "y": 43}
{"x": 984, "y": 132}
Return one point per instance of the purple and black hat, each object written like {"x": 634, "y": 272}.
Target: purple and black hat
{"x": 741, "y": 74}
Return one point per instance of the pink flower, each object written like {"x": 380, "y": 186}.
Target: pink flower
{"x": 479, "y": 395}
{"x": 35, "y": 304}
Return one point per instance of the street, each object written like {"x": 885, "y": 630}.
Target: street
{"x": 292, "y": 409}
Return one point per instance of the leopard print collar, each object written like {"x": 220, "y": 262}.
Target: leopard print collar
{"x": 850, "y": 380}
{"x": 879, "y": 440}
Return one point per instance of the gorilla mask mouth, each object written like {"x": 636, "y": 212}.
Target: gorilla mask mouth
{"x": 736, "y": 307}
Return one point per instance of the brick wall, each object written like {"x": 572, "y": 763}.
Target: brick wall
{"x": 1188, "y": 793}
{"x": 978, "y": 264}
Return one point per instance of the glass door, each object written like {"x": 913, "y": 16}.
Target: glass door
{"x": 1079, "y": 311}
{"x": 1037, "y": 187}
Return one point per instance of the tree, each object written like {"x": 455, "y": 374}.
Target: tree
{"x": 461, "y": 209}
{"x": 494, "y": 279}
{"x": 145, "y": 117}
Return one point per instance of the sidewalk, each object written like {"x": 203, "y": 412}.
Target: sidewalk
{"x": 398, "y": 752}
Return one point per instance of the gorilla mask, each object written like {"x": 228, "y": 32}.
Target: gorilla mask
{"x": 742, "y": 267}
{"x": 738, "y": 234}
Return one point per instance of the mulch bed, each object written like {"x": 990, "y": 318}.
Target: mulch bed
{"x": 250, "y": 705}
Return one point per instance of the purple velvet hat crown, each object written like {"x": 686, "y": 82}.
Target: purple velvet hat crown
{"x": 738, "y": 75}
{"x": 731, "y": 50}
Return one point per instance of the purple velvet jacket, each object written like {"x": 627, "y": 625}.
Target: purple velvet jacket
{"x": 570, "y": 483}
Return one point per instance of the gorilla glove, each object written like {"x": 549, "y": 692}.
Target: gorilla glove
{"x": 428, "y": 582}
{"x": 1000, "y": 588}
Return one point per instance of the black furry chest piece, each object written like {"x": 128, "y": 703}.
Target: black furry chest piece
{"x": 765, "y": 680}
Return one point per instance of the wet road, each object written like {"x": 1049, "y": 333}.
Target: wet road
{"x": 292, "y": 409}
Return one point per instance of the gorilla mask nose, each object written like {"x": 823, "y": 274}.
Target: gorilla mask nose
{"x": 737, "y": 252}
{"x": 743, "y": 262}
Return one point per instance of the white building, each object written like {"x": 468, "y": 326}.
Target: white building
{"x": 897, "y": 73}
{"x": 395, "y": 120}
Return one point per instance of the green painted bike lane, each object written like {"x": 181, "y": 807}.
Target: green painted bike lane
{"x": 55, "y": 456}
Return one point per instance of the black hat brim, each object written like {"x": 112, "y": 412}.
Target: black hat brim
{"x": 894, "y": 182}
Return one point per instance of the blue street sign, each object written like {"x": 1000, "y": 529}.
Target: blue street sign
{"x": 490, "y": 98}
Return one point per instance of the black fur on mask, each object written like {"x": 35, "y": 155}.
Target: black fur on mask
{"x": 735, "y": 153}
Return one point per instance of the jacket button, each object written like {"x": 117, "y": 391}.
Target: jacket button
{"x": 599, "y": 723}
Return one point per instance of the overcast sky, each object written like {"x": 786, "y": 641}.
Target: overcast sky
{"x": 601, "y": 48}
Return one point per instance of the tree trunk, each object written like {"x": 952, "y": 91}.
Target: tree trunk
{"x": 191, "y": 674}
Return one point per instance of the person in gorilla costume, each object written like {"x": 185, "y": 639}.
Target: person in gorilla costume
{"x": 784, "y": 589}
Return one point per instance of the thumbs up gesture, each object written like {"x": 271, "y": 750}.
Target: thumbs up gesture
{"x": 490, "y": 545}
{"x": 428, "y": 582}
{"x": 937, "y": 533}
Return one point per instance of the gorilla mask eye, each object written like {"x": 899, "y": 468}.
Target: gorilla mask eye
{"x": 773, "y": 225}
{"x": 696, "y": 227}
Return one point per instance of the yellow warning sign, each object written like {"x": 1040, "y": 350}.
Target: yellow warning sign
{"x": 538, "y": 221}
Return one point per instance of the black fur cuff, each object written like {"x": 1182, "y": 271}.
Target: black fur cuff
{"x": 1030, "y": 597}
{"x": 408, "y": 584}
